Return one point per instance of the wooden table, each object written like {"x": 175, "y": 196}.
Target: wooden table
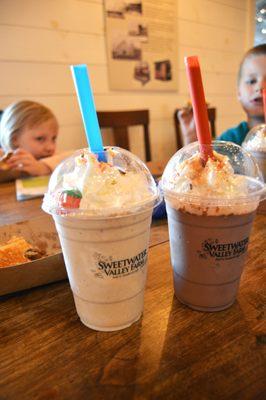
{"x": 12, "y": 211}
{"x": 171, "y": 353}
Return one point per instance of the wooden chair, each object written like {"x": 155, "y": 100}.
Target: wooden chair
{"x": 211, "y": 116}
{"x": 119, "y": 121}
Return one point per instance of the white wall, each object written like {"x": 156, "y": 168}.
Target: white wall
{"x": 40, "y": 39}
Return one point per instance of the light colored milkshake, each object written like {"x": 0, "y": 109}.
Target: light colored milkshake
{"x": 210, "y": 208}
{"x": 102, "y": 212}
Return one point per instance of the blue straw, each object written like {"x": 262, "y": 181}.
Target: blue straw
{"x": 87, "y": 109}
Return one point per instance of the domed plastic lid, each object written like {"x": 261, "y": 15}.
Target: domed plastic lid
{"x": 230, "y": 182}
{"x": 256, "y": 139}
{"x": 82, "y": 185}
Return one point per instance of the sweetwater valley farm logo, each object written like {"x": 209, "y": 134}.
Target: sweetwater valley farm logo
{"x": 108, "y": 267}
{"x": 222, "y": 251}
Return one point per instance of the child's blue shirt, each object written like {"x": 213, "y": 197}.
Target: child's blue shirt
{"x": 236, "y": 134}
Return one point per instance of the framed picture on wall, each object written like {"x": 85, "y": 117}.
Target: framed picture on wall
{"x": 141, "y": 42}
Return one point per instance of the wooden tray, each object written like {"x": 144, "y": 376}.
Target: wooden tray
{"x": 40, "y": 232}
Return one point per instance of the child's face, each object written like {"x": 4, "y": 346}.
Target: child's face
{"x": 39, "y": 140}
{"x": 252, "y": 81}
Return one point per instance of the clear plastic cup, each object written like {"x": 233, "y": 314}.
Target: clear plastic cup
{"x": 103, "y": 221}
{"x": 255, "y": 144}
{"x": 209, "y": 224}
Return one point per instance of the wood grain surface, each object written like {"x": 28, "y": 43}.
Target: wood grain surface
{"x": 12, "y": 211}
{"x": 171, "y": 353}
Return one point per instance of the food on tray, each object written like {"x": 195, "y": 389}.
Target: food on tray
{"x": 3, "y": 161}
{"x": 18, "y": 251}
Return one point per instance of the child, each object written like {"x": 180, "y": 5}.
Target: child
{"x": 29, "y": 130}
{"x": 251, "y": 81}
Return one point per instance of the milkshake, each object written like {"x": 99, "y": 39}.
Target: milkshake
{"x": 210, "y": 208}
{"x": 102, "y": 212}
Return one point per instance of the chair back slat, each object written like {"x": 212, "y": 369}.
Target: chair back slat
{"x": 119, "y": 121}
{"x": 211, "y": 116}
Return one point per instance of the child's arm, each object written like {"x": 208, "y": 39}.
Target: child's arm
{"x": 24, "y": 161}
{"x": 187, "y": 126}
{"x": 53, "y": 161}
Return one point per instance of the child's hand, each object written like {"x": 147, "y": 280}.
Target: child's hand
{"x": 187, "y": 125}
{"x": 24, "y": 161}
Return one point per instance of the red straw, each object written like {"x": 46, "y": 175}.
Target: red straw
{"x": 199, "y": 106}
{"x": 264, "y": 102}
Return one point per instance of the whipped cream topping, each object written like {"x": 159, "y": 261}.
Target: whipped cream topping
{"x": 215, "y": 179}
{"x": 105, "y": 188}
{"x": 210, "y": 189}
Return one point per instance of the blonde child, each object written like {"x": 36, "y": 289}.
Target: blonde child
{"x": 29, "y": 130}
{"x": 251, "y": 81}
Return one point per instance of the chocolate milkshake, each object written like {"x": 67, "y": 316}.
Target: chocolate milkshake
{"x": 210, "y": 211}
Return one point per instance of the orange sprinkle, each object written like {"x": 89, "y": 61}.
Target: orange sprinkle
{"x": 103, "y": 166}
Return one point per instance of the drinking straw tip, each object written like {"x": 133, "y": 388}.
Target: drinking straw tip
{"x": 87, "y": 107}
{"x": 78, "y": 66}
{"x": 192, "y": 61}
{"x": 199, "y": 106}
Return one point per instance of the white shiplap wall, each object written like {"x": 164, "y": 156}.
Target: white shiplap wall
{"x": 40, "y": 39}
